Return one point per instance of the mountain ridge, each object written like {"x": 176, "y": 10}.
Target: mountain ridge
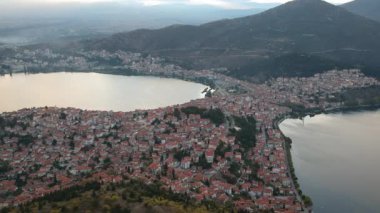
{"x": 366, "y": 8}
{"x": 301, "y": 31}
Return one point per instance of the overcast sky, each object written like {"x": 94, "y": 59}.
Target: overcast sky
{"x": 198, "y": 1}
{"x": 220, "y": 3}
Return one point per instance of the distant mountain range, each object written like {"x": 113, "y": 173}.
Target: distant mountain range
{"x": 366, "y": 8}
{"x": 22, "y": 23}
{"x": 300, "y": 37}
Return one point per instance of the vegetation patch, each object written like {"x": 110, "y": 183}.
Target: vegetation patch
{"x": 368, "y": 96}
{"x": 127, "y": 196}
{"x": 245, "y": 133}
{"x": 216, "y": 116}
{"x": 4, "y": 167}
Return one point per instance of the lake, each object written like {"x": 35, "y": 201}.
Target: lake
{"x": 336, "y": 158}
{"x": 94, "y": 91}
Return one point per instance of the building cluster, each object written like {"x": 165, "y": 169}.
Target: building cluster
{"x": 49, "y": 149}
{"x": 315, "y": 91}
{"x": 43, "y": 60}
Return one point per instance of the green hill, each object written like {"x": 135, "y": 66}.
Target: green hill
{"x": 300, "y": 37}
{"x": 130, "y": 196}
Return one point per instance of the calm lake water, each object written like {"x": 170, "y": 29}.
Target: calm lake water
{"x": 336, "y": 158}
{"x": 94, "y": 91}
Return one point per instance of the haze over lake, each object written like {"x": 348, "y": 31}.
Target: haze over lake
{"x": 94, "y": 91}
{"x": 336, "y": 159}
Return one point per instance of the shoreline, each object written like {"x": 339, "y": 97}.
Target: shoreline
{"x": 287, "y": 146}
{"x": 352, "y": 109}
{"x": 288, "y": 140}
{"x": 125, "y": 72}
{"x": 276, "y": 121}
{"x": 200, "y": 94}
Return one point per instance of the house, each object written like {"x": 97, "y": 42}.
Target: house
{"x": 228, "y": 155}
{"x": 223, "y": 198}
{"x": 83, "y": 169}
{"x": 154, "y": 168}
{"x": 210, "y": 156}
{"x": 263, "y": 203}
{"x": 268, "y": 191}
{"x": 7, "y": 186}
{"x": 286, "y": 182}
{"x": 245, "y": 187}
{"x": 171, "y": 145}
{"x": 171, "y": 162}
{"x": 185, "y": 163}
{"x": 238, "y": 157}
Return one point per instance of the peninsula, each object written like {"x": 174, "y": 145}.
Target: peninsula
{"x": 225, "y": 148}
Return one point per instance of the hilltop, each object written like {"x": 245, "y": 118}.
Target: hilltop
{"x": 366, "y": 8}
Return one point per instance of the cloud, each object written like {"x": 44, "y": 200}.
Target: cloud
{"x": 284, "y": 1}
{"x": 154, "y": 2}
{"x": 226, "y": 4}
{"x": 219, "y": 3}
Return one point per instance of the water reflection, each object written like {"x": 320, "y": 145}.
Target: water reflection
{"x": 94, "y": 91}
{"x": 336, "y": 160}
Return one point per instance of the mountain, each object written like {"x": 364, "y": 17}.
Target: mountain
{"x": 30, "y": 23}
{"x": 300, "y": 37}
{"x": 366, "y": 8}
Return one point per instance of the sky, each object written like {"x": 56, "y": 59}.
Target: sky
{"x": 204, "y": 1}
{"x": 218, "y": 3}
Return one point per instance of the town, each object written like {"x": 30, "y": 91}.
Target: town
{"x": 44, "y": 60}
{"x": 226, "y": 147}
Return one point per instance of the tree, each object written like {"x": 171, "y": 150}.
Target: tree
{"x": 307, "y": 200}
{"x": 62, "y": 116}
{"x": 208, "y": 94}
{"x": 179, "y": 155}
{"x": 108, "y": 144}
{"x": 21, "y": 180}
{"x": 203, "y": 162}
{"x": 192, "y": 110}
{"x": 156, "y": 121}
{"x": 25, "y": 140}
{"x": 246, "y": 136}
{"x": 220, "y": 149}
{"x": 177, "y": 114}
{"x": 57, "y": 165}
{"x": 214, "y": 115}
{"x": 72, "y": 145}
{"x": 235, "y": 169}
{"x": 2, "y": 122}
{"x": 4, "y": 166}
{"x": 107, "y": 161}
